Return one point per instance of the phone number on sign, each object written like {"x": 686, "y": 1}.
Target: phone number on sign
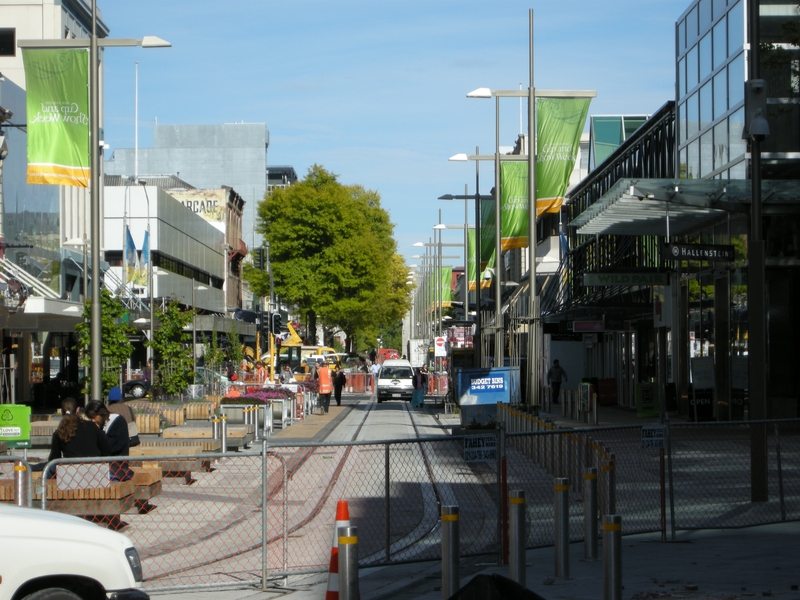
{"x": 487, "y": 383}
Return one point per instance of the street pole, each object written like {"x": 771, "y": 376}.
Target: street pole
{"x": 476, "y": 339}
{"x": 533, "y": 293}
{"x": 499, "y": 333}
{"x": 96, "y": 324}
{"x": 465, "y": 279}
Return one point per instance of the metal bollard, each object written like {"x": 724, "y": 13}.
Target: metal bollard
{"x": 254, "y": 421}
{"x": 215, "y": 428}
{"x": 517, "y": 527}
{"x": 348, "y": 563}
{"x": 561, "y": 518}
{"x": 612, "y": 557}
{"x": 451, "y": 581}
{"x": 609, "y": 468}
{"x": 223, "y": 427}
{"x": 590, "y": 514}
{"x": 21, "y": 484}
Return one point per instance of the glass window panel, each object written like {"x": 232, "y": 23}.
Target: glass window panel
{"x": 681, "y": 36}
{"x": 631, "y": 124}
{"x": 720, "y": 93}
{"x": 736, "y": 81}
{"x": 719, "y": 8}
{"x": 692, "y": 116}
{"x": 706, "y": 153}
{"x": 682, "y": 165}
{"x": 682, "y": 123}
{"x": 691, "y": 26}
{"x": 607, "y": 136}
{"x": 736, "y": 145}
{"x": 681, "y": 77}
{"x": 706, "y": 106}
{"x": 704, "y": 15}
{"x": 720, "y": 144}
{"x": 705, "y": 56}
{"x": 735, "y": 28}
{"x": 693, "y": 160}
{"x": 738, "y": 171}
{"x": 720, "y": 42}
{"x": 691, "y": 69}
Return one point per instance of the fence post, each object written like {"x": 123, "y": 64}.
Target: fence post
{"x": 348, "y": 563}
{"x": 264, "y": 529}
{"x": 611, "y": 474}
{"x": 387, "y": 492}
{"x": 21, "y": 484}
{"x": 780, "y": 472}
{"x": 612, "y": 557}
{"x": 561, "y": 518}
{"x": 450, "y": 552}
{"x": 668, "y": 441}
{"x": 590, "y": 513}
{"x": 517, "y": 535}
{"x": 502, "y": 494}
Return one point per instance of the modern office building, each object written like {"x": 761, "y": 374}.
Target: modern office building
{"x": 207, "y": 156}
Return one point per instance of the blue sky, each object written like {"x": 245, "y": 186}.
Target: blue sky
{"x": 376, "y": 91}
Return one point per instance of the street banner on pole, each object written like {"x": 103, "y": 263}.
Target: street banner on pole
{"x": 514, "y": 204}
{"x": 131, "y": 257}
{"x": 57, "y": 102}
{"x": 445, "y": 283}
{"x": 559, "y": 124}
{"x": 485, "y": 283}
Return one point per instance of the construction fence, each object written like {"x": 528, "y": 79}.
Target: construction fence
{"x": 216, "y": 519}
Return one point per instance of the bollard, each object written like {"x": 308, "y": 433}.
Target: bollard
{"x": 590, "y": 514}
{"x": 21, "y": 484}
{"x": 609, "y": 467}
{"x": 450, "y": 552}
{"x": 561, "y": 518}
{"x": 517, "y": 536}
{"x": 254, "y": 421}
{"x": 612, "y": 557}
{"x": 223, "y": 428}
{"x": 348, "y": 563}
{"x": 215, "y": 428}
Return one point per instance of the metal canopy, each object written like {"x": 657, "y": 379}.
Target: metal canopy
{"x": 641, "y": 206}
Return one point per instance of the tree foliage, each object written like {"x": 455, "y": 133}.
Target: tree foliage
{"x": 172, "y": 353}
{"x": 116, "y": 345}
{"x": 333, "y": 254}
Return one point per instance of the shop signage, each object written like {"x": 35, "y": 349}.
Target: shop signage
{"x": 606, "y": 279}
{"x": 478, "y": 448}
{"x": 704, "y": 252}
{"x": 653, "y": 436}
{"x": 15, "y": 425}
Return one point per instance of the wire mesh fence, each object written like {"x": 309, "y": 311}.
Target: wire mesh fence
{"x": 208, "y": 519}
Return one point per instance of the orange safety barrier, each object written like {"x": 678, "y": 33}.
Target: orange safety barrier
{"x": 356, "y": 383}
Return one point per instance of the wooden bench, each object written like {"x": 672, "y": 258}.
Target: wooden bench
{"x": 147, "y": 479}
{"x": 86, "y": 491}
{"x": 178, "y": 467}
{"x": 237, "y": 436}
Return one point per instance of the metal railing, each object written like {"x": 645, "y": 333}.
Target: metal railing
{"x": 246, "y": 517}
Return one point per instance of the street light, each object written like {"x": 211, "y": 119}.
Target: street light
{"x": 93, "y": 44}
{"x": 200, "y": 287}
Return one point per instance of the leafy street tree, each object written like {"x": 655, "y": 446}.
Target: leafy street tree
{"x": 333, "y": 254}
{"x": 117, "y": 347}
{"x": 213, "y": 353}
{"x": 235, "y": 352}
{"x": 172, "y": 353}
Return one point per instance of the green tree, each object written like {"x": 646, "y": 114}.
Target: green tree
{"x": 332, "y": 254}
{"x": 235, "y": 352}
{"x": 116, "y": 345}
{"x": 172, "y": 353}
{"x": 214, "y": 355}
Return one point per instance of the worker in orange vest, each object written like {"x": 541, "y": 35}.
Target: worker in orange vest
{"x": 325, "y": 387}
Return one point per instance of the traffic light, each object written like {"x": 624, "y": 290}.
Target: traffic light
{"x": 276, "y": 323}
{"x": 259, "y": 255}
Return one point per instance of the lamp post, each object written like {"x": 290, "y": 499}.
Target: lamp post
{"x": 143, "y": 183}
{"x": 200, "y": 287}
{"x": 94, "y": 44}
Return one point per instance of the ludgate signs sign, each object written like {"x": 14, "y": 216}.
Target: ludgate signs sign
{"x": 704, "y": 252}
{"x": 605, "y": 279}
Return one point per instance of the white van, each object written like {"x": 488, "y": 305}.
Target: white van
{"x": 395, "y": 380}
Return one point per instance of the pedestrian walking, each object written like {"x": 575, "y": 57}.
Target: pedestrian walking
{"x": 339, "y": 381}
{"x": 418, "y": 382}
{"x": 325, "y": 386}
{"x": 375, "y": 369}
{"x": 555, "y": 376}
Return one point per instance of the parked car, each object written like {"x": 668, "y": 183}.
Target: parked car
{"x": 395, "y": 380}
{"x": 136, "y": 388}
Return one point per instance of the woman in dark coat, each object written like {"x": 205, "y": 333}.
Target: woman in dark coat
{"x": 75, "y": 437}
{"x": 116, "y": 429}
{"x": 339, "y": 381}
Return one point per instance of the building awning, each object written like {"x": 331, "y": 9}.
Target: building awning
{"x": 642, "y": 206}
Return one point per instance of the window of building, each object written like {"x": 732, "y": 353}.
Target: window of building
{"x": 693, "y": 160}
{"x": 737, "y": 145}
{"x": 691, "y": 26}
{"x": 704, "y": 14}
{"x": 682, "y": 168}
{"x": 706, "y": 153}
{"x": 720, "y": 93}
{"x": 705, "y": 56}
{"x": 681, "y": 123}
{"x": 692, "y": 116}
{"x": 735, "y": 28}
{"x": 681, "y": 77}
{"x": 691, "y": 69}
{"x": 8, "y": 41}
{"x": 736, "y": 81}
{"x": 720, "y": 34}
{"x": 681, "y": 36}
{"x": 721, "y": 145}
{"x": 706, "y": 105}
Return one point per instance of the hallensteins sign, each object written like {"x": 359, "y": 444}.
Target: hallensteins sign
{"x": 701, "y": 252}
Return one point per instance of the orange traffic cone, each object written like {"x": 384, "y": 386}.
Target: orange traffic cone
{"x": 342, "y": 520}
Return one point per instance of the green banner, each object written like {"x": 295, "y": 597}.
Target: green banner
{"x": 514, "y": 204}
{"x": 57, "y": 89}
{"x": 485, "y": 283}
{"x": 15, "y": 425}
{"x": 559, "y": 124}
{"x": 446, "y": 286}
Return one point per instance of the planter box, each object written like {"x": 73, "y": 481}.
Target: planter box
{"x": 148, "y": 423}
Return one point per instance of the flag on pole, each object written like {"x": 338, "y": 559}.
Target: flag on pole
{"x": 131, "y": 257}
{"x": 57, "y": 103}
